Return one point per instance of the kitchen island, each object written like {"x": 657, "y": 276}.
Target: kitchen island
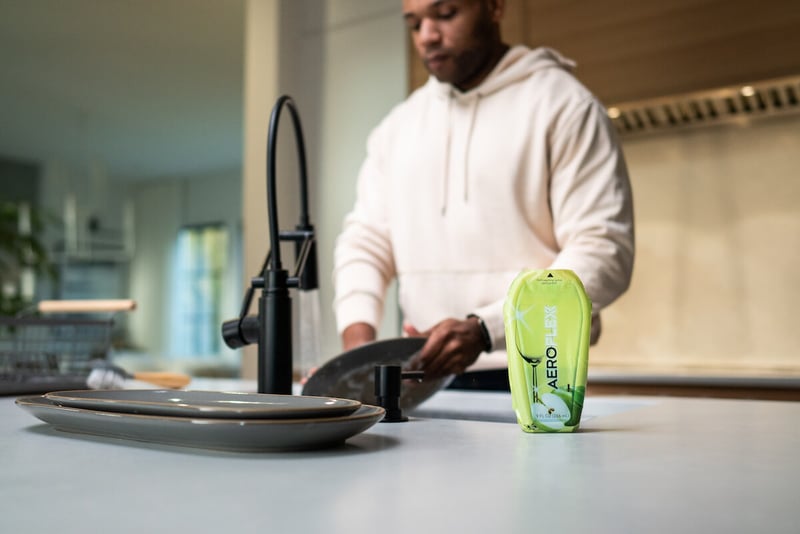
{"x": 461, "y": 464}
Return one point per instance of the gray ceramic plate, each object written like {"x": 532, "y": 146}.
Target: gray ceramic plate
{"x": 207, "y": 404}
{"x": 249, "y": 435}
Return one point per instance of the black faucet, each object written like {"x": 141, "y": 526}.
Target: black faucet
{"x": 271, "y": 328}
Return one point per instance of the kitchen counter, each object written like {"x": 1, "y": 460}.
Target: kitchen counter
{"x": 695, "y": 383}
{"x": 460, "y": 465}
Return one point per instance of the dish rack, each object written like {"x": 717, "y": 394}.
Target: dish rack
{"x": 33, "y": 347}
{"x": 42, "y": 353}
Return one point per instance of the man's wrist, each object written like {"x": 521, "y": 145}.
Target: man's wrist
{"x": 485, "y": 337}
{"x": 357, "y": 334}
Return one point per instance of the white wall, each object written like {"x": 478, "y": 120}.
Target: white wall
{"x": 344, "y": 62}
{"x": 718, "y": 252}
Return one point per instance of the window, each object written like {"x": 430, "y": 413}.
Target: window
{"x": 201, "y": 261}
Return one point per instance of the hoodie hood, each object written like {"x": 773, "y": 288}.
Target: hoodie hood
{"x": 517, "y": 64}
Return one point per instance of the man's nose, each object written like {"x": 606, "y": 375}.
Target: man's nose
{"x": 429, "y": 32}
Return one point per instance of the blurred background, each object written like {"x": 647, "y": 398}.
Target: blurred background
{"x": 132, "y": 150}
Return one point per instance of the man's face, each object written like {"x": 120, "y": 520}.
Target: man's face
{"x": 454, "y": 38}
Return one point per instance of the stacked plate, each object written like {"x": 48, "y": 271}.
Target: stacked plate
{"x": 207, "y": 419}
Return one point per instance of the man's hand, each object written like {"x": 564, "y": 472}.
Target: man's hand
{"x": 357, "y": 334}
{"x": 452, "y": 346}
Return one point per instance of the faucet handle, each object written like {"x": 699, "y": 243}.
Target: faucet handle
{"x": 238, "y": 333}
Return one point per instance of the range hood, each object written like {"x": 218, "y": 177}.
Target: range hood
{"x": 732, "y": 104}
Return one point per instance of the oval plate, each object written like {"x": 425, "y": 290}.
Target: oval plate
{"x": 207, "y": 404}
{"x": 242, "y": 435}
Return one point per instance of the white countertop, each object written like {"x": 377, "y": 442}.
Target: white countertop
{"x": 637, "y": 465}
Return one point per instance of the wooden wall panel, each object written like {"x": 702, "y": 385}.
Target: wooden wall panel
{"x": 635, "y": 50}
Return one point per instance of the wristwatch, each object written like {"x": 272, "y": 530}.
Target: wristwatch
{"x": 487, "y": 339}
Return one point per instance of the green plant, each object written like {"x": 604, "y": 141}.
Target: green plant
{"x": 17, "y": 252}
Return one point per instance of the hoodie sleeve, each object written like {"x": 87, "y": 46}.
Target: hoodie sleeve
{"x": 363, "y": 259}
{"x": 591, "y": 203}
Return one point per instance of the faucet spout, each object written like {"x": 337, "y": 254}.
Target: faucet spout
{"x": 272, "y": 328}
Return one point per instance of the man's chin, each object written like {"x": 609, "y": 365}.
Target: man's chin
{"x": 438, "y": 70}
{"x": 443, "y": 77}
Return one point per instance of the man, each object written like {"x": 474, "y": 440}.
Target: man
{"x": 501, "y": 162}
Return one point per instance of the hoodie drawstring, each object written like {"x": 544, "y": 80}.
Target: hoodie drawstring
{"x": 448, "y": 150}
{"x": 446, "y": 173}
{"x": 471, "y": 126}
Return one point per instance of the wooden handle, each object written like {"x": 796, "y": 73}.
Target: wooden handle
{"x": 163, "y": 379}
{"x": 83, "y": 306}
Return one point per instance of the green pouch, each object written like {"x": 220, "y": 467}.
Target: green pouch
{"x": 547, "y": 319}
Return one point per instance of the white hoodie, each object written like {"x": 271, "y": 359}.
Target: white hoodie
{"x": 461, "y": 191}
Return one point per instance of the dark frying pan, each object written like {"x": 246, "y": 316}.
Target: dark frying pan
{"x": 351, "y": 375}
